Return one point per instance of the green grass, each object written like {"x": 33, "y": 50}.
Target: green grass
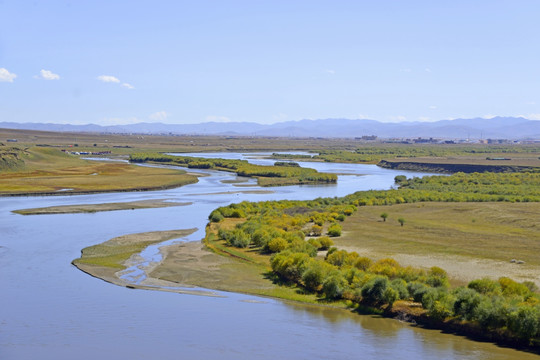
{"x": 110, "y": 256}
{"x": 495, "y": 230}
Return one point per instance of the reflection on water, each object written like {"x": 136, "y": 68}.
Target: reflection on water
{"x": 50, "y": 310}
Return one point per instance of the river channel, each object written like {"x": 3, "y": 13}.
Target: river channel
{"x": 51, "y": 310}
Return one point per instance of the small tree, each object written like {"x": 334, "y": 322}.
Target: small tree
{"x": 401, "y": 221}
{"x": 384, "y": 216}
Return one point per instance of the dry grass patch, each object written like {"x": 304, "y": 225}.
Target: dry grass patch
{"x": 49, "y": 171}
{"x": 469, "y": 240}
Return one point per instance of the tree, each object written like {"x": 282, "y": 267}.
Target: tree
{"x": 401, "y": 221}
{"x": 384, "y": 216}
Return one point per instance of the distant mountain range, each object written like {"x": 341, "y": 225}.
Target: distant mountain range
{"x": 494, "y": 128}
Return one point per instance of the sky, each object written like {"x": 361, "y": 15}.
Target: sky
{"x": 120, "y": 62}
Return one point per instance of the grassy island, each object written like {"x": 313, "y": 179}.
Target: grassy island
{"x": 277, "y": 175}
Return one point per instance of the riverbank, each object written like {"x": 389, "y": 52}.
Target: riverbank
{"x": 450, "y": 166}
{"x": 107, "y": 260}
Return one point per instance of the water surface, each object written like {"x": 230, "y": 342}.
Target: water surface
{"x": 51, "y": 310}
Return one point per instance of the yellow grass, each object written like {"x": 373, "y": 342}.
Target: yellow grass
{"x": 496, "y": 231}
{"x": 49, "y": 170}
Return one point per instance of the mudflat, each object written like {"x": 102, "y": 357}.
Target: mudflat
{"x": 91, "y": 208}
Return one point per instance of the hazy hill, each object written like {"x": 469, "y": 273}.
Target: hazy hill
{"x": 495, "y": 128}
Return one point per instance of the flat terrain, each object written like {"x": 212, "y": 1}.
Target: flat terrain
{"x": 106, "y": 259}
{"x": 50, "y": 171}
{"x": 468, "y": 240}
{"x": 91, "y": 208}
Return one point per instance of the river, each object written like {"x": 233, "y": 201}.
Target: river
{"x": 51, "y": 310}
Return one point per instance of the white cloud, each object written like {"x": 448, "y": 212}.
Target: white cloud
{"x": 159, "y": 116}
{"x": 362, "y": 117}
{"x": 330, "y": 71}
{"x": 217, "y": 118}
{"x": 424, "y": 118}
{"x": 488, "y": 116}
{"x": 128, "y": 86}
{"x": 118, "y": 121}
{"x": 531, "y": 116}
{"x": 398, "y": 118}
{"x": 47, "y": 75}
{"x": 6, "y": 76}
{"x": 108, "y": 78}
{"x": 432, "y": 107}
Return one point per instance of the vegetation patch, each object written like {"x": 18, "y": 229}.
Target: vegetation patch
{"x": 110, "y": 256}
{"x": 267, "y": 175}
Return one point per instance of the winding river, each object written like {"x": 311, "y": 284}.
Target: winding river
{"x": 51, "y": 310}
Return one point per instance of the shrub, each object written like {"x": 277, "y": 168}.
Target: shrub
{"x": 417, "y": 290}
{"x": 277, "y": 244}
{"x": 325, "y": 242}
{"x": 215, "y": 216}
{"x": 485, "y": 286}
{"x": 374, "y": 291}
{"x": 334, "y": 285}
{"x": 362, "y": 263}
{"x": 238, "y": 238}
{"x": 314, "y": 275}
{"x": 334, "y": 230}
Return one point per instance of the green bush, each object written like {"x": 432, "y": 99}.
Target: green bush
{"x": 334, "y": 230}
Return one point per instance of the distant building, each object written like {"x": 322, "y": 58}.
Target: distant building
{"x": 498, "y": 141}
{"x": 11, "y": 140}
{"x": 367, "y": 137}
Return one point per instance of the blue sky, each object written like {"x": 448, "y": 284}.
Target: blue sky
{"x": 118, "y": 62}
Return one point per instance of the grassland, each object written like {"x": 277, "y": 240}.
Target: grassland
{"x": 50, "y": 171}
{"x": 469, "y": 240}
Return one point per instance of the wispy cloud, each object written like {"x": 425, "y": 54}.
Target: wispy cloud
{"x": 114, "y": 79}
{"x": 159, "y": 116}
{"x": 6, "y": 76}
{"x": 531, "y": 116}
{"x": 108, "y": 78}
{"x": 424, "y": 118}
{"x": 398, "y": 118}
{"x": 118, "y": 121}
{"x": 330, "y": 71}
{"x": 432, "y": 107}
{"x": 217, "y": 118}
{"x": 489, "y": 116}
{"x": 47, "y": 75}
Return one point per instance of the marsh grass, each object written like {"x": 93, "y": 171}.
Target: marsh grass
{"x": 115, "y": 252}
